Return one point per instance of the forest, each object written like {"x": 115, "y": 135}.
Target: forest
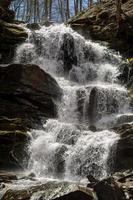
{"x": 66, "y": 99}
{"x": 52, "y": 10}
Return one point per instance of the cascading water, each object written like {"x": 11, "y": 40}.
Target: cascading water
{"x": 78, "y": 142}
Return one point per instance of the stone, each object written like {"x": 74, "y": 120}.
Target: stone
{"x": 29, "y": 93}
{"x": 124, "y": 151}
{"x": 13, "y": 146}
{"x": 126, "y": 73}
{"x": 109, "y": 189}
{"x": 7, "y": 177}
{"x": 67, "y": 53}
{"x": 28, "y": 96}
{"x": 51, "y": 191}
{"x": 7, "y": 15}
{"x": 10, "y": 36}
{"x": 33, "y": 26}
{"x": 99, "y": 23}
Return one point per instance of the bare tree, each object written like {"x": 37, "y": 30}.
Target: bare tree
{"x": 118, "y": 11}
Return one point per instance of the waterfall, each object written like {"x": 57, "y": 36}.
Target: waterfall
{"x": 79, "y": 141}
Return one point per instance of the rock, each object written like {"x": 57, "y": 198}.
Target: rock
{"x": 5, "y": 3}
{"x": 10, "y": 36}
{"x": 7, "y": 177}
{"x": 99, "y": 23}
{"x": 51, "y": 191}
{"x": 67, "y": 53}
{"x": 33, "y": 26}
{"x": 6, "y": 14}
{"x": 13, "y": 145}
{"x": 126, "y": 73}
{"x": 11, "y": 33}
{"x": 96, "y": 102}
{"x": 124, "y": 151}
{"x": 109, "y": 189}
{"x": 125, "y": 180}
{"x": 28, "y": 93}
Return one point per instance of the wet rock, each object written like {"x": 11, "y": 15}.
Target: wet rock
{"x": 124, "y": 152}
{"x": 28, "y": 93}
{"x": 125, "y": 180}
{"x": 33, "y": 26}
{"x": 109, "y": 189}
{"x": 51, "y": 191}
{"x": 7, "y": 177}
{"x": 11, "y": 33}
{"x": 13, "y": 145}
{"x": 10, "y": 36}
{"x": 126, "y": 73}
{"x": 67, "y": 53}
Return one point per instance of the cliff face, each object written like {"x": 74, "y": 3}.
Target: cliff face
{"x": 99, "y": 23}
{"x": 10, "y": 34}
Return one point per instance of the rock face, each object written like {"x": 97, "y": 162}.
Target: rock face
{"x": 10, "y": 36}
{"x": 27, "y": 94}
{"x": 109, "y": 189}
{"x": 99, "y": 22}
{"x": 6, "y": 14}
{"x": 124, "y": 153}
{"x": 67, "y": 53}
{"x": 13, "y": 143}
{"x": 51, "y": 191}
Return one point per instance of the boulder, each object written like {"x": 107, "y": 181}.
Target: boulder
{"x": 51, "y": 191}
{"x": 13, "y": 144}
{"x": 10, "y": 36}
{"x": 125, "y": 180}
{"x": 67, "y": 52}
{"x": 109, "y": 189}
{"x": 29, "y": 93}
{"x": 27, "y": 96}
{"x": 124, "y": 151}
{"x": 33, "y": 26}
{"x": 126, "y": 73}
{"x": 7, "y": 177}
{"x": 6, "y": 14}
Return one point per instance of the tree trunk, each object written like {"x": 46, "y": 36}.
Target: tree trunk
{"x": 91, "y": 3}
{"x": 118, "y": 11}
{"x": 67, "y": 10}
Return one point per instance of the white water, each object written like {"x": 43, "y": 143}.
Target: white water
{"x": 67, "y": 148}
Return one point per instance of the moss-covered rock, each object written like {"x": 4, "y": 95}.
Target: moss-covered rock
{"x": 99, "y": 22}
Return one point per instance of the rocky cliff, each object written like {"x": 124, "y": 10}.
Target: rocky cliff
{"x": 99, "y": 23}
